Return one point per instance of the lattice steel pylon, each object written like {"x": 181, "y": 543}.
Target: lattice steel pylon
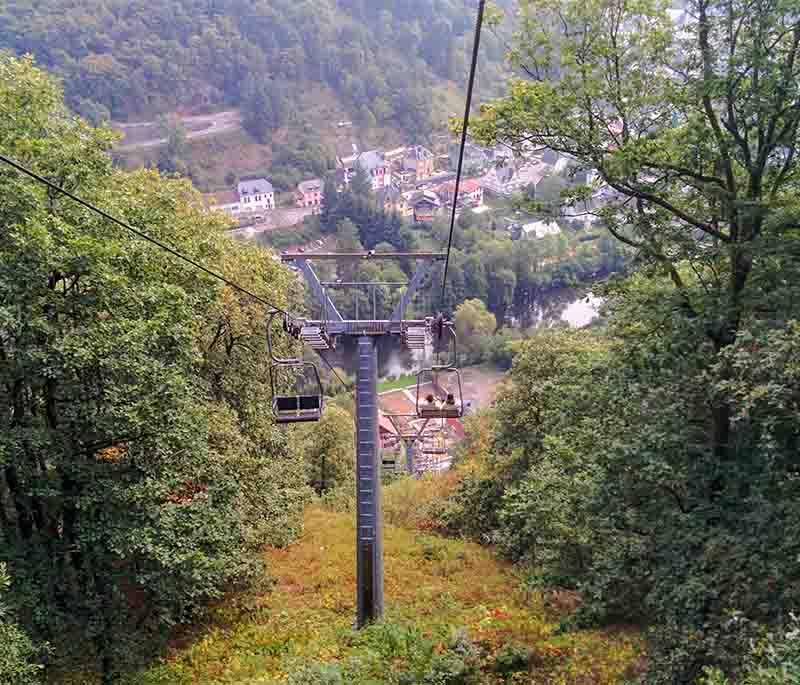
{"x": 369, "y": 526}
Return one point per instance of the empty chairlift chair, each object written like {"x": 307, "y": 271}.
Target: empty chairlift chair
{"x": 298, "y": 408}
{"x": 295, "y": 407}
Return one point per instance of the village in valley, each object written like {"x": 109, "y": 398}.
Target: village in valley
{"x": 418, "y": 184}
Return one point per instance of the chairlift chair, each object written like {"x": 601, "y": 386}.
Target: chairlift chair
{"x": 431, "y": 407}
{"x": 293, "y": 408}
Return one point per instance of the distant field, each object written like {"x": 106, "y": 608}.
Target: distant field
{"x": 397, "y": 383}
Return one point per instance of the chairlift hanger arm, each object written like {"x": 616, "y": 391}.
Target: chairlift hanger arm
{"x": 319, "y": 290}
{"x": 414, "y": 285}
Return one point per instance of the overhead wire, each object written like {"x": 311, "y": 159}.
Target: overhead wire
{"x": 467, "y": 108}
{"x": 331, "y": 367}
{"x": 144, "y": 236}
{"x": 141, "y": 234}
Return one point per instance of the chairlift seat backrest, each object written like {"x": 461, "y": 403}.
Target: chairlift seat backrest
{"x": 291, "y": 403}
{"x": 308, "y": 402}
{"x": 433, "y": 411}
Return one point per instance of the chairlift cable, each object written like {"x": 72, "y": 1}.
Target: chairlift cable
{"x": 332, "y": 368}
{"x": 141, "y": 234}
{"x": 468, "y": 107}
{"x": 144, "y": 236}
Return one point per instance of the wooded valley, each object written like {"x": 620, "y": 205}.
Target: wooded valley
{"x": 625, "y": 508}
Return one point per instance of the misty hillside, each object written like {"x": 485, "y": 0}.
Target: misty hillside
{"x": 128, "y": 59}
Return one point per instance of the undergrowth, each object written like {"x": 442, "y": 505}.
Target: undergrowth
{"x": 455, "y": 615}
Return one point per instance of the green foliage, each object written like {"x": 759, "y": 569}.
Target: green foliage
{"x": 474, "y": 325}
{"x": 138, "y": 59}
{"x": 773, "y": 658}
{"x": 18, "y": 654}
{"x": 142, "y": 472}
{"x": 512, "y": 658}
{"x": 264, "y": 106}
{"x": 681, "y": 502}
{"x": 172, "y": 156}
{"x": 328, "y": 450}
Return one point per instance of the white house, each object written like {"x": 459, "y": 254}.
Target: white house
{"x": 540, "y": 229}
{"x": 250, "y": 197}
{"x": 255, "y": 195}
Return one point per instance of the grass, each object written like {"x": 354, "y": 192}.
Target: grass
{"x": 301, "y": 632}
{"x": 398, "y": 383}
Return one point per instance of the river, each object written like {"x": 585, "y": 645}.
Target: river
{"x": 576, "y": 307}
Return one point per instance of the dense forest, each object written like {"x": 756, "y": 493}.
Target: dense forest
{"x": 127, "y": 60}
{"x": 141, "y": 471}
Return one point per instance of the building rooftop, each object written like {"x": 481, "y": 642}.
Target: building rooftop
{"x": 427, "y": 196}
{"x": 371, "y": 160}
{"x": 312, "y": 186}
{"x": 256, "y": 186}
{"x": 467, "y": 185}
{"x": 540, "y": 229}
{"x": 419, "y": 153}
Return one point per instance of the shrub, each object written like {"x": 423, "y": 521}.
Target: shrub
{"x": 773, "y": 659}
{"x": 512, "y": 658}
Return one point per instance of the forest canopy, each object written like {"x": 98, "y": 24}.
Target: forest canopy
{"x": 140, "y": 470}
{"x": 124, "y": 60}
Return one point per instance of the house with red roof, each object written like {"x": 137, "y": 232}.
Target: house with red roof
{"x": 470, "y": 192}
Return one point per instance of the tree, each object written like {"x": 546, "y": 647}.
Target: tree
{"x": 360, "y": 183}
{"x": 173, "y": 155}
{"x": 702, "y": 156}
{"x": 328, "y": 451}
{"x": 693, "y": 132}
{"x": 474, "y": 327}
{"x": 548, "y": 194}
{"x": 500, "y": 295}
{"x": 263, "y": 107}
{"x": 347, "y": 241}
{"x": 18, "y": 655}
{"x": 347, "y": 237}
{"x": 330, "y": 202}
{"x": 141, "y": 469}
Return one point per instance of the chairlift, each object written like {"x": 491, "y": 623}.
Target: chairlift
{"x": 431, "y": 407}
{"x": 295, "y": 408}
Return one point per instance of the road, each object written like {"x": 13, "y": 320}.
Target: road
{"x": 274, "y": 220}
{"x": 196, "y": 127}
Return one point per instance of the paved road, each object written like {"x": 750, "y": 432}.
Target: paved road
{"x": 279, "y": 218}
{"x": 196, "y": 127}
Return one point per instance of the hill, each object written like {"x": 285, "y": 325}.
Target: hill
{"x": 455, "y": 614}
{"x": 129, "y": 60}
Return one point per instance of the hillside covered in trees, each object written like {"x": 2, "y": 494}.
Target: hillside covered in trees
{"x": 128, "y": 60}
{"x": 640, "y": 478}
{"x": 141, "y": 472}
